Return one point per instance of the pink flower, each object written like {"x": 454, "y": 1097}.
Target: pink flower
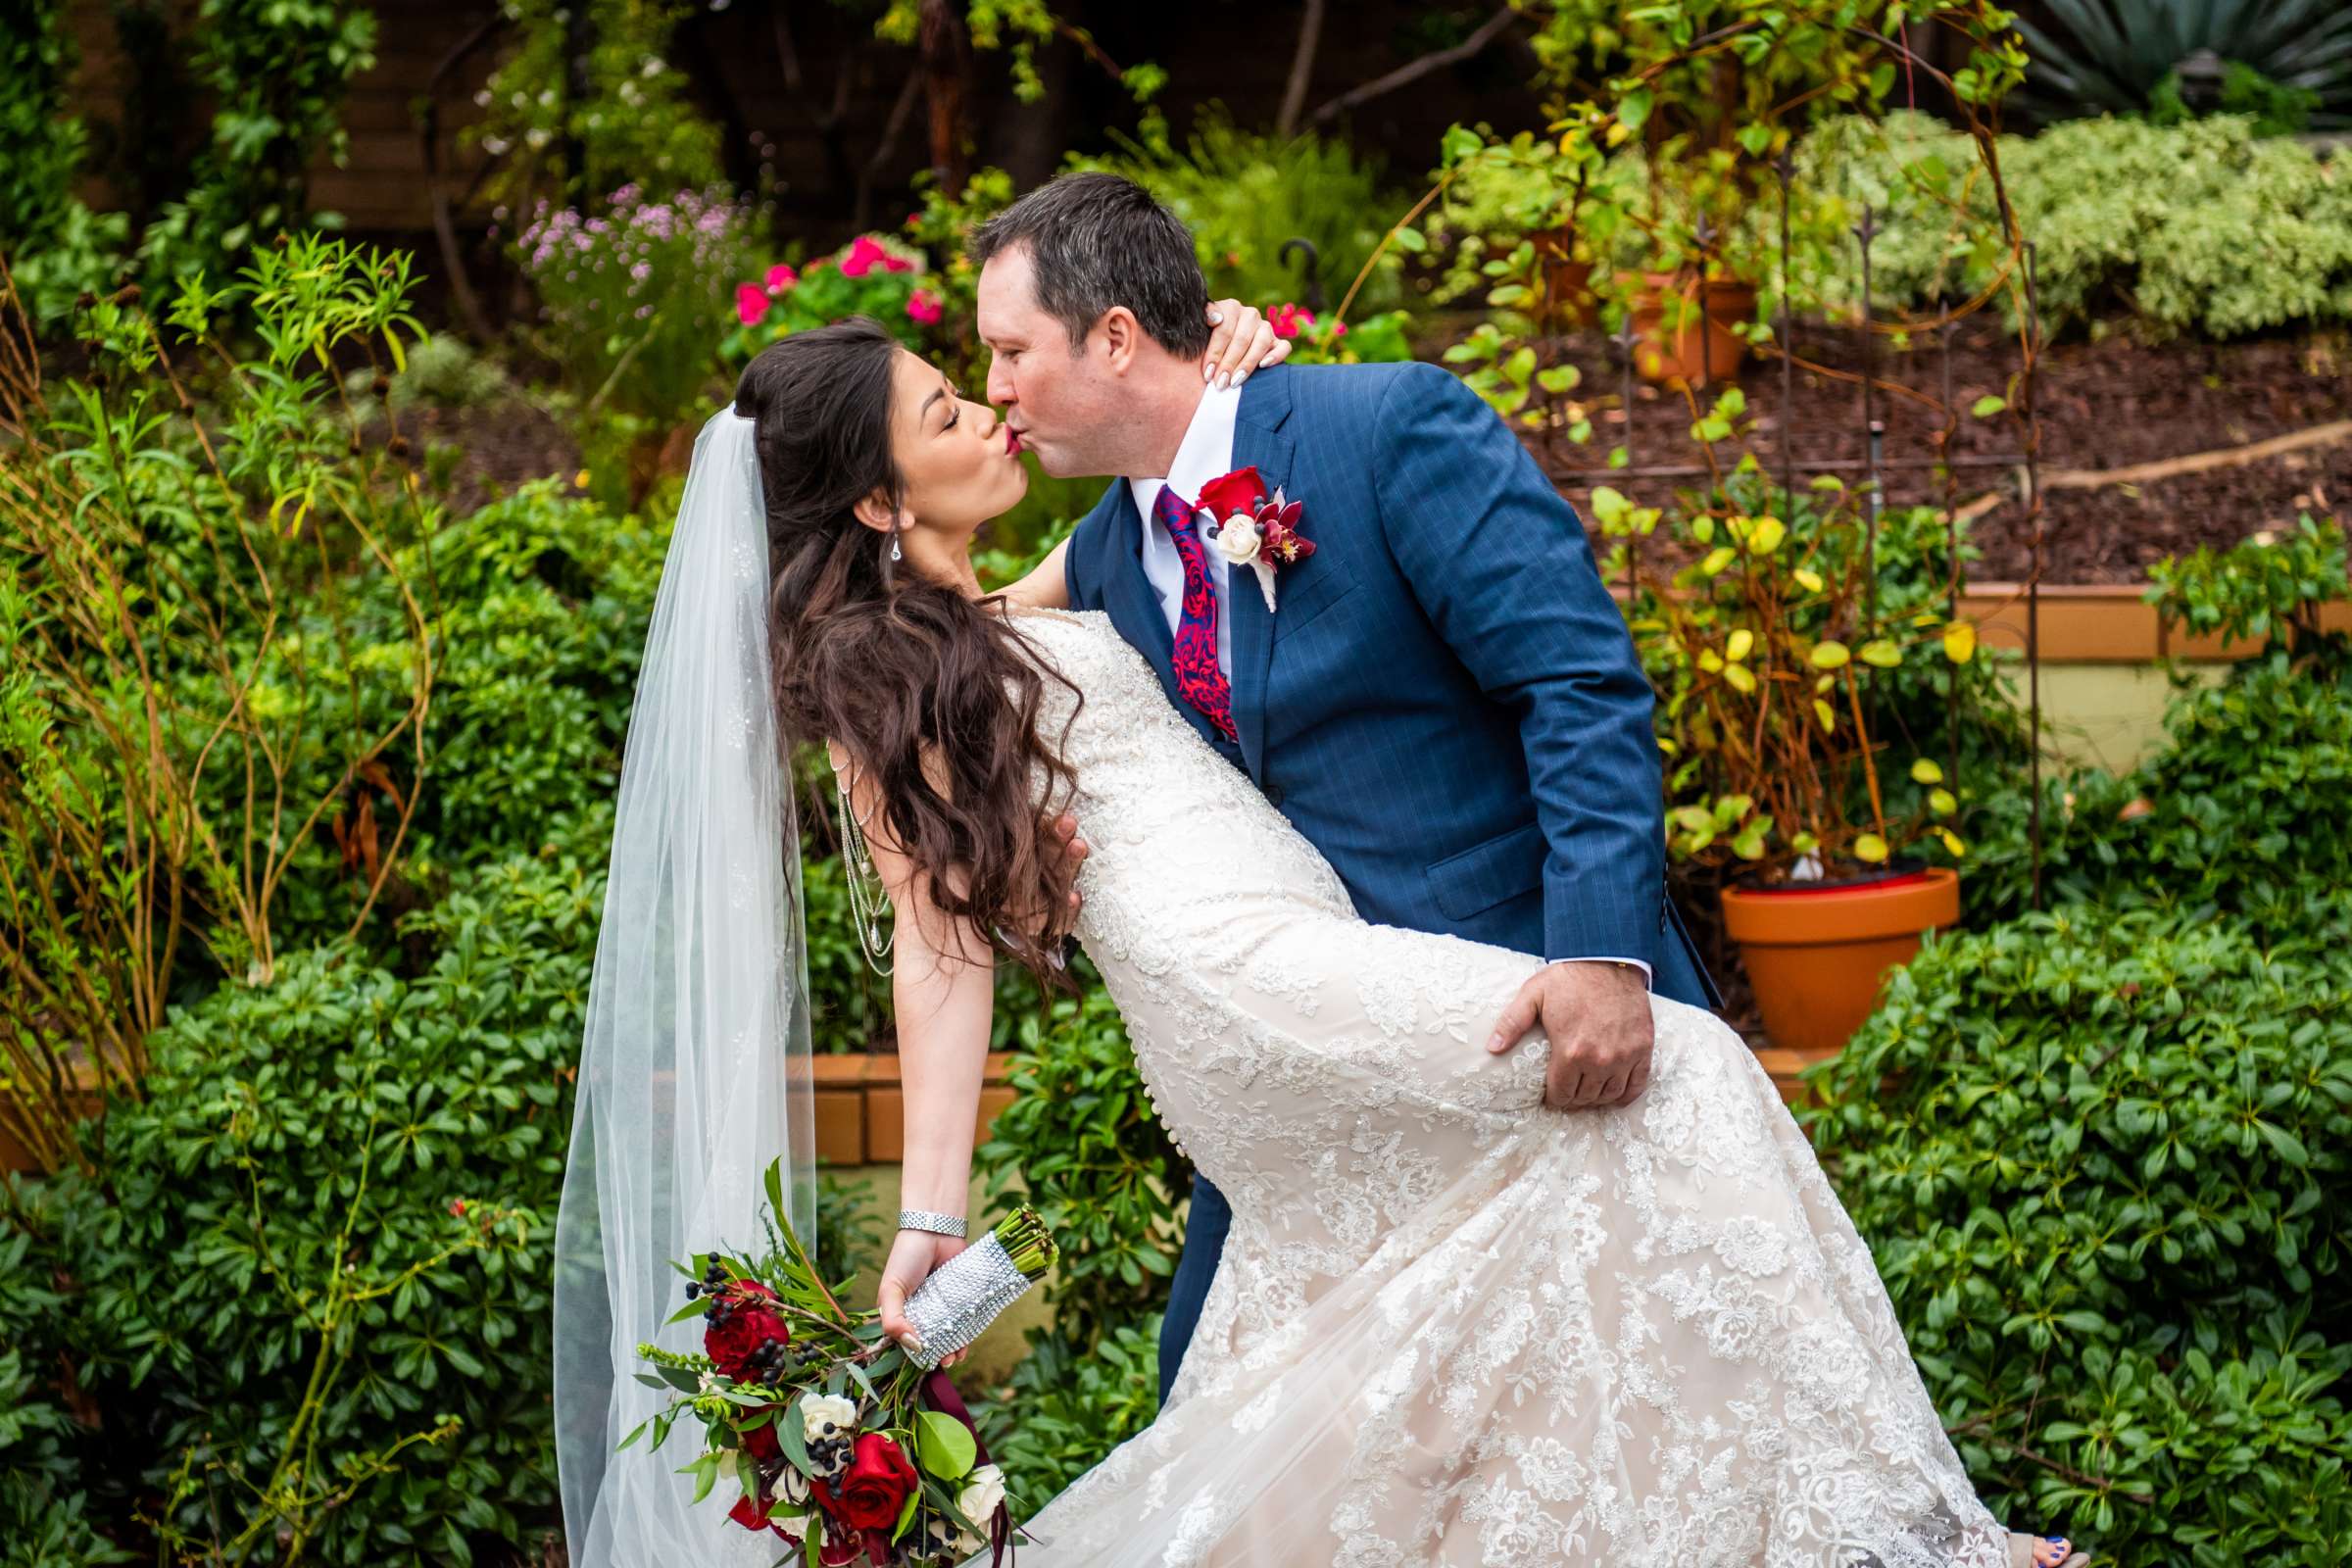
{"x": 864, "y": 253}
{"x": 750, "y": 303}
{"x": 897, "y": 264}
{"x": 923, "y": 307}
{"x": 780, "y": 277}
{"x": 1287, "y": 319}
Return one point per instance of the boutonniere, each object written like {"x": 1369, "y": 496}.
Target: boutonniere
{"x": 1254, "y": 529}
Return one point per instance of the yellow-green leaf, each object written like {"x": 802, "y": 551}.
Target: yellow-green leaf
{"x": 1869, "y": 846}
{"x": 1709, "y": 661}
{"x": 1702, "y": 529}
{"x": 1766, "y": 536}
{"x": 1807, "y": 579}
{"x": 1951, "y": 842}
{"x": 1718, "y": 558}
{"x": 1738, "y": 643}
{"x": 1740, "y": 678}
{"x": 1829, "y": 655}
{"x": 1924, "y": 771}
{"x": 1822, "y": 686}
{"x": 1825, "y": 714}
{"x": 1882, "y": 652}
{"x": 1940, "y": 801}
{"x": 1960, "y": 641}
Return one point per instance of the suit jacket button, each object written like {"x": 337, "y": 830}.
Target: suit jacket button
{"x": 1273, "y": 794}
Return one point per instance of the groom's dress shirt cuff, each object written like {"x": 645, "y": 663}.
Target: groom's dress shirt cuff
{"x": 1647, "y": 975}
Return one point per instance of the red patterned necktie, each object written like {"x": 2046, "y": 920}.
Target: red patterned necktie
{"x": 1199, "y": 680}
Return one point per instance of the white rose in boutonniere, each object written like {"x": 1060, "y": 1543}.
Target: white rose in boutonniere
{"x": 982, "y": 1493}
{"x": 1261, "y": 531}
{"x": 1239, "y": 540}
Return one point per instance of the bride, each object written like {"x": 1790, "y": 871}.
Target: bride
{"x": 1450, "y": 1324}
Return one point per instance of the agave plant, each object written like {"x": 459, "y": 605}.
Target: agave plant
{"x": 2119, "y": 55}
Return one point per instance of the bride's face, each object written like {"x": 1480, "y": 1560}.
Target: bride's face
{"x": 960, "y": 465}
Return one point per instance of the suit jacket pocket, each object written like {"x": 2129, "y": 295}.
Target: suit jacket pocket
{"x": 1319, "y": 585}
{"x": 1487, "y": 874}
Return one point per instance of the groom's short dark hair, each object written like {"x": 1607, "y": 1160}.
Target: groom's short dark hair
{"x": 1097, "y": 240}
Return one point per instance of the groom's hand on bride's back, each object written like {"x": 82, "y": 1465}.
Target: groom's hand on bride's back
{"x": 1598, "y": 1018}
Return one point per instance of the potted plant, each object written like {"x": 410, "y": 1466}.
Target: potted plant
{"x": 1754, "y": 616}
{"x": 1687, "y": 294}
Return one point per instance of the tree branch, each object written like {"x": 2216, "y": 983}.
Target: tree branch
{"x": 1302, "y": 67}
{"x": 1414, "y": 70}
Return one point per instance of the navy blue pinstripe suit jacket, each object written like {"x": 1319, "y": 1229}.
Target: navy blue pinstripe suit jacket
{"x": 1447, "y": 702}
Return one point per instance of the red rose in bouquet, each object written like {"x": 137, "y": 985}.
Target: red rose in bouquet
{"x": 740, "y": 1326}
{"x": 760, "y": 1442}
{"x": 870, "y": 1493}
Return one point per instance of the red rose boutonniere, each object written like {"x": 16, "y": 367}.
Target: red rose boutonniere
{"x": 1254, "y": 529}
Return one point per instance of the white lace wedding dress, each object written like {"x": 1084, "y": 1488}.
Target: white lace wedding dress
{"x": 1451, "y": 1326}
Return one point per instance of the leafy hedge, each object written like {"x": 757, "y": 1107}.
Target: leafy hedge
{"x": 333, "y": 1136}
{"x": 1084, "y": 1146}
{"x": 2106, "y": 1165}
{"x": 2203, "y": 227}
{"x": 2104, "y": 1152}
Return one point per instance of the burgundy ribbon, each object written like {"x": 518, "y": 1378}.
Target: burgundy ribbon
{"x": 941, "y": 1393}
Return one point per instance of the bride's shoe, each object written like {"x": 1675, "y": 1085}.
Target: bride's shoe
{"x": 2021, "y": 1552}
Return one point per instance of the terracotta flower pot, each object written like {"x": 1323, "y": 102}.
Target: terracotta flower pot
{"x": 1569, "y": 299}
{"x": 1815, "y": 955}
{"x": 1691, "y": 350}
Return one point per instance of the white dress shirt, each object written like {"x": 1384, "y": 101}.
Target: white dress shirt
{"x": 1206, "y": 453}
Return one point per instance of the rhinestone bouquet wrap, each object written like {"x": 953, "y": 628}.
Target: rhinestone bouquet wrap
{"x": 967, "y": 1293}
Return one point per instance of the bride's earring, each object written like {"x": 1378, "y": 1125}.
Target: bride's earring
{"x": 894, "y": 539}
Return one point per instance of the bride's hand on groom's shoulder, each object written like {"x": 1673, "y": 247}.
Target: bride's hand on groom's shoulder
{"x": 913, "y": 1257}
{"x": 1598, "y": 1018}
{"x": 1244, "y": 340}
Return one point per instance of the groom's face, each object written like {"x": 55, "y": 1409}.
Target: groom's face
{"x": 1057, "y": 394}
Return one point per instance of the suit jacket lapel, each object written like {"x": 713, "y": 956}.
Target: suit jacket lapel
{"x": 1134, "y": 605}
{"x": 1258, "y": 440}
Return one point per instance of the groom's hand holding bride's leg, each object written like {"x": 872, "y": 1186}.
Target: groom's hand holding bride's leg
{"x": 1597, "y": 1019}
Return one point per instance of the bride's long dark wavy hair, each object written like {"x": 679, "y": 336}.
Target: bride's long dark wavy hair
{"x": 893, "y": 669}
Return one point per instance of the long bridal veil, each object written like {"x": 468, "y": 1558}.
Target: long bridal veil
{"x": 694, "y": 1064}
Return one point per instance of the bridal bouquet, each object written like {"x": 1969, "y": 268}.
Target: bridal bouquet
{"x": 842, "y": 1444}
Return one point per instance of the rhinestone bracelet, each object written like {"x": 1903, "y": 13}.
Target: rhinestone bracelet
{"x": 923, "y": 1219}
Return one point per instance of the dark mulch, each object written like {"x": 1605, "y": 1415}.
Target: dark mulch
{"x": 2104, "y": 404}
{"x": 500, "y": 446}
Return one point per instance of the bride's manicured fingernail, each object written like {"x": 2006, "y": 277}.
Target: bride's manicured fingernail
{"x": 1494, "y": 1042}
{"x": 1208, "y": 372}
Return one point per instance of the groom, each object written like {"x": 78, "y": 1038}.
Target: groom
{"x": 1444, "y": 698}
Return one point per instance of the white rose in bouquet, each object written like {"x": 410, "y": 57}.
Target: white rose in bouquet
{"x": 983, "y": 1491}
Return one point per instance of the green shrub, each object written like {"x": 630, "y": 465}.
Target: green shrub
{"x": 2246, "y": 812}
{"x": 1245, "y": 195}
{"x": 544, "y": 601}
{"x": 54, "y": 247}
{"x": 1068, "y": 1405}
{"x": 629, "y": 112}
{"x": 1084, "y": 1146}
{"x": 44, "y": 1515}
{"x": 282, "y": 1292}
{"x": 278, "y": 71}
{"x": 2203, "y": 227}
{"x": 2103, "y": 1159}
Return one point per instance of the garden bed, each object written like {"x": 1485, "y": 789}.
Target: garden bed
{"x": 2109, "y": 405}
